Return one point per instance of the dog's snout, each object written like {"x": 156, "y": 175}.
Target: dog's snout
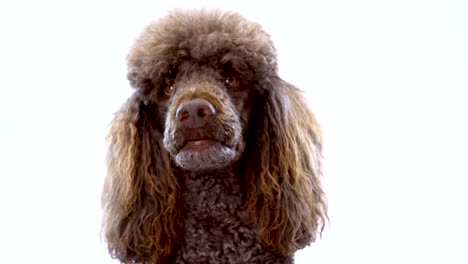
{"x": 195, "y": 113}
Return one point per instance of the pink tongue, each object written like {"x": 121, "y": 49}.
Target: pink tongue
{"x": 199, "y": 144}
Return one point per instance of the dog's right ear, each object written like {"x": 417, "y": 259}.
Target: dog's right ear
{"x": 141, "y": 192}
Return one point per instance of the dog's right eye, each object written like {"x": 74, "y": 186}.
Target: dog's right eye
{"x": 169, "y": 88}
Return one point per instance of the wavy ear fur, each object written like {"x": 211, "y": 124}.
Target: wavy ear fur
{"x": 141, "y": 192}
{"x": 283, "y": 172}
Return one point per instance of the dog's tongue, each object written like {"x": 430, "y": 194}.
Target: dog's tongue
{"x": 200, "y": 144}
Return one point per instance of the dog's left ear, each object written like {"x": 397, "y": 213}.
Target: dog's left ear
{"x": 283, "y": 170}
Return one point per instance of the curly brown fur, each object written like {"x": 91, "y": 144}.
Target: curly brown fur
{"x": 214, "y": 158}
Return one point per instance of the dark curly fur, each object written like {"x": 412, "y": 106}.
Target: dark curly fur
{"x": 214, "y": 158}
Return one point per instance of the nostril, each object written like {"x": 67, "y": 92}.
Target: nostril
{"x": 205, "y": 112}
{"x": 201, "y": 112}
{"x": 183, "y": 115}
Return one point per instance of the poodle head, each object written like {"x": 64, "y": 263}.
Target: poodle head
{"x": 200, "y": 69}
{"x": 208, "y": 98}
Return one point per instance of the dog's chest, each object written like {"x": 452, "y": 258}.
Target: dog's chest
{"x": 217, "y": 226}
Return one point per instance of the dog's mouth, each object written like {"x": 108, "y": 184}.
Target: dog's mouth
{"x": 205, "y": 149}
{"x": 199, "y": 144}
{"x": 200, "y": 140}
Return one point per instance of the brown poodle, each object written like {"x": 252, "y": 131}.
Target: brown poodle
{"x": 214, "y": 158}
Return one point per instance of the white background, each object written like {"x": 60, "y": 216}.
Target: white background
{"x": 387, "y": 80}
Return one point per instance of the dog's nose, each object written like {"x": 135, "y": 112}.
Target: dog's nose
{"x": 195, "y": 113}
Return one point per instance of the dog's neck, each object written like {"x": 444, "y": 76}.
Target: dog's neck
{"x": 216, "y": 219}
{"x": 221, "y": 190}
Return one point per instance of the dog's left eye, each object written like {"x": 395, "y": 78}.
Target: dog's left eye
{"x": 232, "y": 81}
